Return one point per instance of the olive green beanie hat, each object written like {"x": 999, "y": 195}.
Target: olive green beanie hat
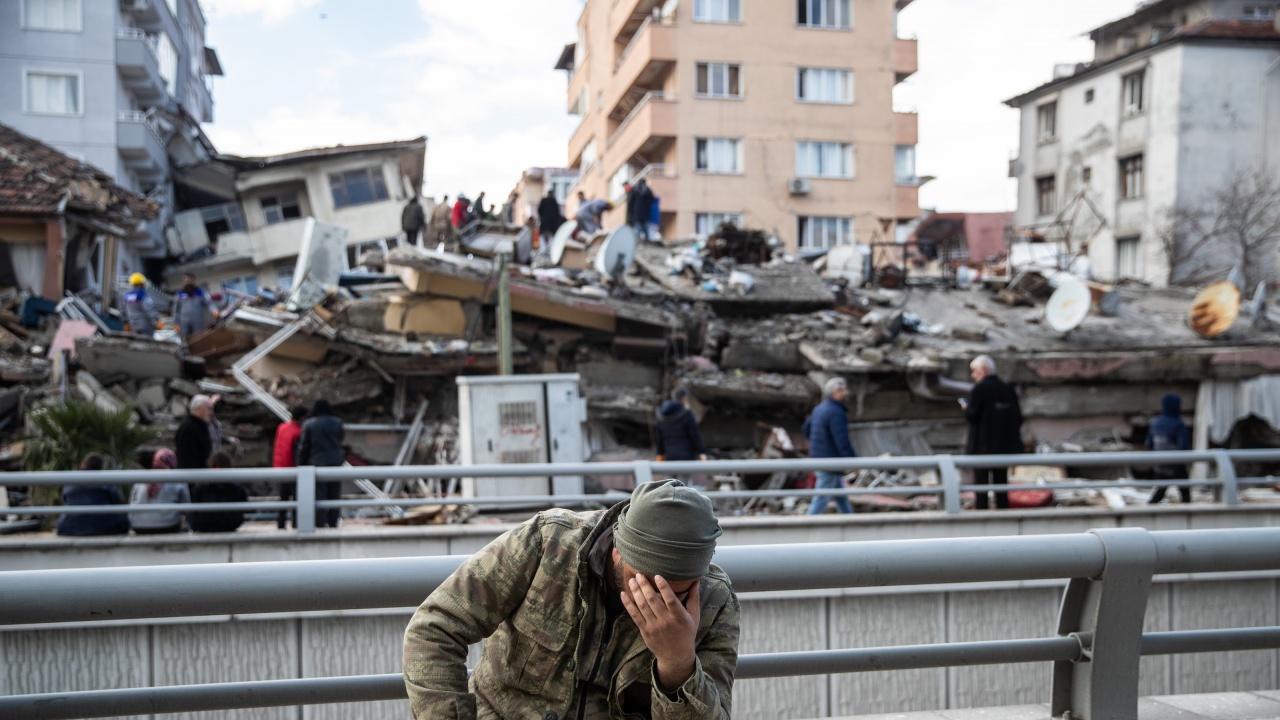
{"x": 668, "y": 529}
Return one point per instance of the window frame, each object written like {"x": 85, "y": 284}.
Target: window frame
{"x": 383, "y": 245}
{"x": 727, "y": 4}
{"x": 701, "y": 218}
{"x": 1127, "y": 85}
{"x": 24, "y": 21}
{"x": 729, "y": 69}
{"x": 848, "y": 159}
{"x": 806, "y": 223}
{"x": 1254, "y": 17}
{"x": 739, "y": 155}
{"x": 279, "y": 207}
{"x": 808, "y": 24}
{"x": 908, "y": 150}
{"x": 376, "y": 180}
{"x": 1131, "y": 247}
{"x": 851, "y": 86}
{"x": 1050, "y": 207}
{"x": 1132, "y": 177}
{"x": 1049, "y": 110}
{"x": 26, "y": 90}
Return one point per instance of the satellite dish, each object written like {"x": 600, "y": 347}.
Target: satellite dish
{"x": 617, "y": 251}
{"x": 562, "y": 236}
{"x": 1215, "y": 309}
{"x": 1236, "y": 277}
{"x": 1258, "y": 308}
{"x": 1068, "y": 307}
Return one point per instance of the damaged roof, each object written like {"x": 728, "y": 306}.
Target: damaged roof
{"x": 302, "y": 156}
{"x": 36, "y": 179}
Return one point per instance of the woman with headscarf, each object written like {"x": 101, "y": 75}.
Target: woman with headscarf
{"x": 164, "y": 521}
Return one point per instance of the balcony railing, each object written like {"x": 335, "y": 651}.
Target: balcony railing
{"x": 1095, "y": 648}
{"x": 640, "y": 106}
{"x": 644, "y": 27}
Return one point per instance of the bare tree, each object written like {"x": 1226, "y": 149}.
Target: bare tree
{"x": 1239, "y": 225}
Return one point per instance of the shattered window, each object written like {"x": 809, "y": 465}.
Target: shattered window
{"x": 358, "y": 187}
{"x": 278, "y": 208}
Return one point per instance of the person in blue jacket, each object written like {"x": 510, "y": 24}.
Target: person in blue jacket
{"x": 827, "y": 429}
{"x": 675, "y": 432}
{"x": 1168, "y": 432}
{"x": 139, "y": 308}
{"x": 90, "y": 525}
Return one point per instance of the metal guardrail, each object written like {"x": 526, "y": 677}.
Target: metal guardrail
{"x": 948, "y": 468}
{"x": 1095, "y": 650}
{"x": 654, "y": 96}
{"x": 650, "y": 20}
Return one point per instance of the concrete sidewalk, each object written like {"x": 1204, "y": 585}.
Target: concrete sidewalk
{"x": 1261, "y": 705}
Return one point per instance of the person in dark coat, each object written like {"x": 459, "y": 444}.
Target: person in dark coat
{"x": 320, "y": 445}
{"x": 676, "y": 433}
{"x": 1168, "y": 432}
{"x": 193, "y": 442}
{"x": 827, "y": 429}
{"x": 92, "y": 525}
{"x": 639, "y": 205}
{"x": 412, "y": 220}
{"x": 220, "y": 492}
{"x": 995, "y": 426}
{"x": 549, "y": 216}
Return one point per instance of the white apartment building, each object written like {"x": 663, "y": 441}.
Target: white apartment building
{"x": 247, "y": 231}
{"x": 1180, "y": 97}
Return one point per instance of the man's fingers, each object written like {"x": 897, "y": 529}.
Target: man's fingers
{"x": 693, "y": 603}
{"x": 642, "y": 600}
{"x": 651, "y": 595}
{"x": 636, "y": 616}
{"x": 664, "y": 589}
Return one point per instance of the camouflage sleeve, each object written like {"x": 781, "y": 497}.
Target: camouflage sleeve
{"x": 465, "y": 609}
{"x": 709, "y": 692}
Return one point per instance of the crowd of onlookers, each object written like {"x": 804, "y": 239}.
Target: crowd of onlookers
{"x": 309, "y": 437}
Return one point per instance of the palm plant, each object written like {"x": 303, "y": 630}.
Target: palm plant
{"x": 61, "y": 435}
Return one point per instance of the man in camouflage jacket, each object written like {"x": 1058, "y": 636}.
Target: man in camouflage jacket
{"x": 604, "y": 614}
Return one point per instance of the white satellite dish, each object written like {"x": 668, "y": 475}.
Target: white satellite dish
{"x": 1258, "y": 308}
{"x": 561, "y": 238}
{"x": 619, "y": 248}
{"x": 1068, "y": 307}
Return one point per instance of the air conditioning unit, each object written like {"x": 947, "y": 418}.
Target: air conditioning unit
{"x": 798, "y": 186}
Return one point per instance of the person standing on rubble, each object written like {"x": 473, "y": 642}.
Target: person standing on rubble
{"x": 590, "y": 216}
{"x": 995, "y": 427}
{"x": 549, "y": 217}
{"x": 441, "y": 223}
{"x": 139, "y": 308}
{"x": 827, "y": 429}
{"x": 597, "y": 614}
{"x": 460, "y": 212}
{"x": 320, "y": 444}
{"x": 193, "y": 442}
{"x": 639, "y": 205}
{"x": 477, "y": 209}
{"x": 676, "y": 433}
{"x": 412, "y": 220}
{"x": 1169, "y": 432}
{"x": 285, "y": 455}
{"x": 192, "y": 307}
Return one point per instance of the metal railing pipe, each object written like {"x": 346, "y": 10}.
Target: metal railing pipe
{"x": 1202, "y": 641}
{"x": 1233, "y": 550}
{"x": 907, "y": 657}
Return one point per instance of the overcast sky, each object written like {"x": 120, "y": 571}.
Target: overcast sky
{"x": 476, "y": 77}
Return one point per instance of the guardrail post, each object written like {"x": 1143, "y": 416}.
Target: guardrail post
{"x": 950, "y": 483}
{"x": 1227, "y": 476}
{"x": 643, "y": 472}
{"x": 305, "y": 515}
{"x": 1104, "y": 614}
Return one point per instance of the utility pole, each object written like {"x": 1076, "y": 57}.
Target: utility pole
{"x": 504, "y": 318}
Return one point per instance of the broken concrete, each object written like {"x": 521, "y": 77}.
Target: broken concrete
{"x": 132, "y": 357}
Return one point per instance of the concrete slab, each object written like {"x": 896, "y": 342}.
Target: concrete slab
{"x": 1224, "y": 706}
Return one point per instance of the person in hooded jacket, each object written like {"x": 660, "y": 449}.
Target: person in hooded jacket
{"x": 1168, "y": 432}
{"x": 675, "y": 434}
{"x": 320, "y": 445}
{"x": 549, "y": 217}
{"x": 157, "y": 522}
{"x": 285, "y": 455}
{"x": 98, "y": 524}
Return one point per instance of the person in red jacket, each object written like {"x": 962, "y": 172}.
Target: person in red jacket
{"x": 460, "y": 212}
{"x": 287, "y": 434}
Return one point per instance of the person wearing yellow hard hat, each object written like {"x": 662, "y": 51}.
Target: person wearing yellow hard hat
{"x": 139, "y": 309}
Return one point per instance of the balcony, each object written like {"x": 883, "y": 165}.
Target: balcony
{"x": 906, "y": 128}
{"x": 581, "y": 138}
{"x": 140, "y": 146}
{"x": 906, "y": 59}
{"x": 626, "y": 17}
{"x": 651, "y": 122}
{"x": 906, "y": 198}
{"x": 662, "y": 181}
{"x": 139, "y": 65}
{"x": 577, "y": 84}
{"x": 643, "y": 63}
{"x": 279, "y": 241}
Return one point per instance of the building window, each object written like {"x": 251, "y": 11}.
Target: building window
{"x": 278, "y": 208}
{"x": 247, "y": 284}
{"x": 383, "y": 246}
{"x": 904, "y": 165}
{"x": 824, "y": 160}
{"x": 50, "y": 93}
{"x": 718, "y": 80}
{"x": 1088, "y": 96}
{"x": 828, "y": 14}
{"x": 719, "y": 155}
{"x": 1133, "y": 87}
{"x": 284, "y": 277}
{"x": 1086, "y": 174}
{"x": 358, "y": 187}
{"x": 1131, "y": 177}
{"x": 721, "y": 11}
{"x": 219, "y": 219}
{"x": 560, "y": 186}
{"x": 60, "y": 15}
{"x": 1047, "y": 121}
{"x": 1046, "y": 197}
{"x": 1127, "y": 257}
{"x": 1259, "y": 12}
{"x": 708, "y": 223}
{"x": 822, "y": 233}
{"x": 588, "y": 156}
{"x": 167, "y": 60}
{"x": 824, "y": 85}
